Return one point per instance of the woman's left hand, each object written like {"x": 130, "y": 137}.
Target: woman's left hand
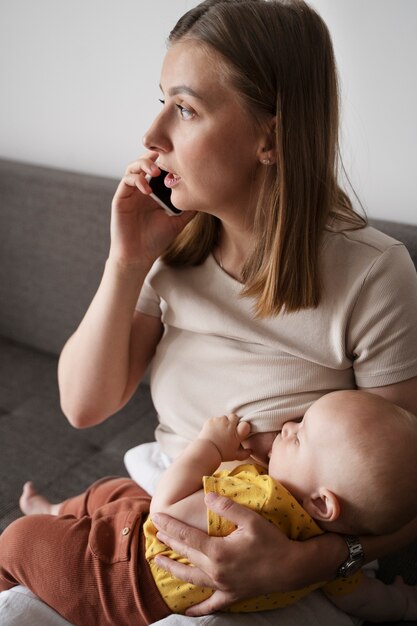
{"x": 226, "y": 564}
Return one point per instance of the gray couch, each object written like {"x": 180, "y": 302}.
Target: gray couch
{"x": 54, "y": 234}
{"x": 54, "y": 229}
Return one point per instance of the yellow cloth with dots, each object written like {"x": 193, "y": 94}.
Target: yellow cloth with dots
{"x": 250, "y": 486}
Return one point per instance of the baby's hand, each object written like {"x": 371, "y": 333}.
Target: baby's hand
{"x": 410, "y": 596}
{"x": 227, "y": 433}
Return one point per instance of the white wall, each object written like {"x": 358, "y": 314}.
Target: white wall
{"x": 79, "y": 79}
{"x": 376, "y": 50}
{"x": 79, "y": 86}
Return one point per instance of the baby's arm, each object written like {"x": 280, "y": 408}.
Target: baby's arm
{"x": 375, "y": 601}
{"x": 179, "y": 491}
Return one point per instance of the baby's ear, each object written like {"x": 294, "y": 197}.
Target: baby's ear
{"x": 322, "y": 505}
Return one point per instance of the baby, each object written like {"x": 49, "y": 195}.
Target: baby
{"x": 94, "y": 557}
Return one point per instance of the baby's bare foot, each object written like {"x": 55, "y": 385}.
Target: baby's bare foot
{"x": 31, "y": 502}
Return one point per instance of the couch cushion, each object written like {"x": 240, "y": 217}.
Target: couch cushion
{"x": 55, "y": 238}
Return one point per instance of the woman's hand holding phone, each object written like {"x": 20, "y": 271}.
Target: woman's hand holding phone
{"x": 141, "y": 229}
{"x": 162, "y": 194}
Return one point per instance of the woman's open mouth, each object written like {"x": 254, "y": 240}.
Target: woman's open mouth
{"x": 171, "y": 180}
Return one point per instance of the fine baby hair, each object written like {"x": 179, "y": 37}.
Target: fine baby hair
{"x": 374, "y": 473}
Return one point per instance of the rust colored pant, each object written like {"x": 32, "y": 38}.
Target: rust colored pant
{"x": 88, "y": 562}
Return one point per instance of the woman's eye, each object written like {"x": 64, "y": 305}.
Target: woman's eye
{"x": 185, "y": 113}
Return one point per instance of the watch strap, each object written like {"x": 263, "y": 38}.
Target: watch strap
{"x": 355, "y": 559}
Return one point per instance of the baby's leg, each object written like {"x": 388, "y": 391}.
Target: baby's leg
{"x": 101, "y": 492}
{"x": 31, "y": 502}
{"x": 85, "y": 568}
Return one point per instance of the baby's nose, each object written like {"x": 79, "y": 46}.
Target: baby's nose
{"x": 288, "y": 428}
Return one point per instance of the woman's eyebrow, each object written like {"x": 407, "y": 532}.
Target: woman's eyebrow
{"x": 173, "y": 91}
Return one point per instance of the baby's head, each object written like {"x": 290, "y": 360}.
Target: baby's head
{"x": 351, "y": 462}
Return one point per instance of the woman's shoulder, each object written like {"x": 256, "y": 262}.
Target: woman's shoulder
{"x": 356, "y": 259}
{"x": 362, "y": 248}
{"x": 367, "y": 238}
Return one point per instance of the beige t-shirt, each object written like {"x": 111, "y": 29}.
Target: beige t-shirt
{"x": 216, "y": 358}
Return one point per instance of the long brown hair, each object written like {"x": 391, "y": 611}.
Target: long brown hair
{"x": 279, "y": 57}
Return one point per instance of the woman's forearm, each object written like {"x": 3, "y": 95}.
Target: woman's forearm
{"x": 315, "y": 560}
{"x": 380, "y": 546}
{"x": 377, "y": 602}
{"x": 319, "y": 558}
{"x": 94, "y": 365}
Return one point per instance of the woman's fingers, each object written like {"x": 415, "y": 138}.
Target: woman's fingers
{"x": 223, "y": 563}
{"x": 218, "y": 601}
{"x": 240, "y": 515}
{"x": 146, "y": 164}
{"x": 198, "y": 547}
{"x": 192, "y": 575}
{"x": 215, "y": 556}
{"x": 137, "y": 180}
{"x": 135, "y": 174}
{"x": 183, "y": 539}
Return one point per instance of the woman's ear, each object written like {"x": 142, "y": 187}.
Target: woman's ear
{"x": 323, "y": 506}
{"x": 267, "y": 153}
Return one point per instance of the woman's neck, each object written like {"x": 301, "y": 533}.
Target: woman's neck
{"x": 231, "y": 253}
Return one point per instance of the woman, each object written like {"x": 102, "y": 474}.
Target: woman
{"x": 271, "y": 290}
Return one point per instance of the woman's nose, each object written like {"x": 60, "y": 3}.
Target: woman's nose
{"x": 156, "y": 137}
{"x": 148, "y": 142}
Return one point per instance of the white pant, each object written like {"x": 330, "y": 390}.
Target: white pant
{"x": 145, "y": 463}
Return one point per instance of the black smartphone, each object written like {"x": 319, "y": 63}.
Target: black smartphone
{"x": 162, "y": 194}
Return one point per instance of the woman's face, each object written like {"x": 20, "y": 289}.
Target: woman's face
{"x": 204, "y": 136}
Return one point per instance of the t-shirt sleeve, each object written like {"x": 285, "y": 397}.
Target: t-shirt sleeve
{"x": 149, "y": 301}
{"x": 382, "y": 334}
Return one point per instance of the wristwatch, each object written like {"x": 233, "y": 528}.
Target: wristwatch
{"x": 355, "y": 559}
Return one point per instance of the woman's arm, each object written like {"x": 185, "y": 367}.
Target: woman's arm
{"x": 404, "y": 394}
{"x": 102, "y": 363}
{"x": 375, "y": 601}
{"x": 104, "y": 360}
